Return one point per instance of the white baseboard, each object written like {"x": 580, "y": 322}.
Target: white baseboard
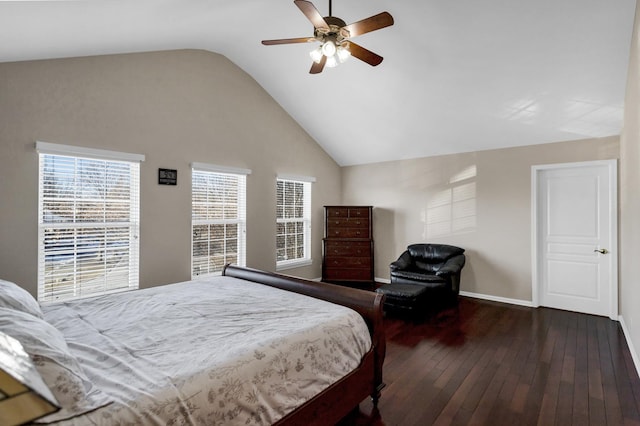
{"x": 519, "y": 302}
{"x": 383, "y": 280}
{"x": 632, "y": 349}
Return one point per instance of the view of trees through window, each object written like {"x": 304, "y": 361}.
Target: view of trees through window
{"x": 88, "y": 226}
{"x": 291, "y": 221}
{"x": 218, "y": 221}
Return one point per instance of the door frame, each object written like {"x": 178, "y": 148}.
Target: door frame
{"x": 536, "y": 283}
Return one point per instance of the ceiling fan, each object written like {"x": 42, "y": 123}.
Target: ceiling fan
{"x": 335, "y": 37}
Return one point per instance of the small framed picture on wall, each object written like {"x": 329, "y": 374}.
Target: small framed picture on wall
{"x": 167, "y": 177}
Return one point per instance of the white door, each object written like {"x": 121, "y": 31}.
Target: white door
{"x": 575, "y": 237}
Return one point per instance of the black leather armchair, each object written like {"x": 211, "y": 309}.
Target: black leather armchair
{"x": 435, "y": 266}
{"x": 424, "y": 275}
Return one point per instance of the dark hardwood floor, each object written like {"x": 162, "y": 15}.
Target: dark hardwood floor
{"x": 486, "y": 363}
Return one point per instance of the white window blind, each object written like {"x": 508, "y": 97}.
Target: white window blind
{"x": 293, "y": 221}
{"x": 218, "y": 218}
{"x": 89, "y": 223}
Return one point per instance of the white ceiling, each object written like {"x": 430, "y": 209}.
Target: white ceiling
{"x": 457, "y": 75}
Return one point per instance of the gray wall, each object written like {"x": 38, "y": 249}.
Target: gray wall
{"x": 174, "y": 107}
{"x": 480, "y": 201}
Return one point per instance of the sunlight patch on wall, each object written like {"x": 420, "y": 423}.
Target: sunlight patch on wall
{"x": 452, "y": 210}
{"x": 468, "y": 173}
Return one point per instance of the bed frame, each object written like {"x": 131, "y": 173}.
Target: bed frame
{"x": 339, "y": 399}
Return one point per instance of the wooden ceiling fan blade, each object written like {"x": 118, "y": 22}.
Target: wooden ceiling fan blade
{"x": 317, "y": 67}
{"x": 365, "y": 55}
{"x": 311, "y": 13}
{"x": 372, "y": 23}
{"x": 288, "y": 41}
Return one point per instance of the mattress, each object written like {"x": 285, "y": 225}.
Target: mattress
{"x": 216, "y": 350}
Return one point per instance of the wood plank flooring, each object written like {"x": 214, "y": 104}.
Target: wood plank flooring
{"x": 486, "y": 363}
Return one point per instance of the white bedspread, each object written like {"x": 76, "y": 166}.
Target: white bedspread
{"x": 212, "y": 351}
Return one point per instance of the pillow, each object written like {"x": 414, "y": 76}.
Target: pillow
{"x": 59, "y": 369}
{"x": 15, "y": 297}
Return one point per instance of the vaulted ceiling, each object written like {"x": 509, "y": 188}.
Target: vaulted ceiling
{"x": 457, "y": 75}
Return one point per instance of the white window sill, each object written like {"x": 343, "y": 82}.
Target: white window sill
{"x": 290, "y": 264}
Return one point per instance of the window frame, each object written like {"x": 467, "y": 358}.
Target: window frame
{"x": 306, "y": 259}
{"x": 75, "y": 158}
{"x": 208, "y": 171}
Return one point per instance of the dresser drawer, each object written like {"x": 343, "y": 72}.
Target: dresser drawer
{"x": 359, "y": 212}
{"x": 347, "y": 211}
{"x": 347, "y": 248}
{"x": 348, "y": 233}
{"x": 347, "y": 262}
{"x": 337, "y": 212}
{"x": 347, "y": 222}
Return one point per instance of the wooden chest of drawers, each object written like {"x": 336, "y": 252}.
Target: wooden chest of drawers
{"x": 348, "y": 245}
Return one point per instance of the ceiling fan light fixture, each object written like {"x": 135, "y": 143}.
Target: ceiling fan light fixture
{"x": 316, "y": 54}
{"x": 331, "y": 62}
{"x": 343, "y": 53}
{"x": 329, "y": 48}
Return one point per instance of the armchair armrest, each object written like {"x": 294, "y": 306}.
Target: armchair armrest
{"x": 403, "y": 262}
{"x": 452, "y": 266}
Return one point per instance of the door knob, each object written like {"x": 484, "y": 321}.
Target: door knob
{"x": 601, "y": 251}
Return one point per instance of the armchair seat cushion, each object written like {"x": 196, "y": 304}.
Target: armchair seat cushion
{"x": 402, "y": 291}
{"x": 417, "y": 276}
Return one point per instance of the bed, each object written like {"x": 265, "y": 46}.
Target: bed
{"x": 247, "y": 347}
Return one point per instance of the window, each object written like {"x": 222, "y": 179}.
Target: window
{"x": 88, "y": 221}
{"x": 218, "y": 218}
{"x": 293, "y": 219}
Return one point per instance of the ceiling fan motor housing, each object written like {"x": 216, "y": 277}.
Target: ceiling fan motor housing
{"x": 336, "y": 31}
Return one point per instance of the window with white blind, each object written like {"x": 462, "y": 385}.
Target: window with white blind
{"x": 293, "y": 221}
{"x": 88, "y": 221}
{"x": 218, "y": 218}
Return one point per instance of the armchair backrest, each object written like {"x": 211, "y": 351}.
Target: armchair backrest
{"x": 430, "y": 257}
